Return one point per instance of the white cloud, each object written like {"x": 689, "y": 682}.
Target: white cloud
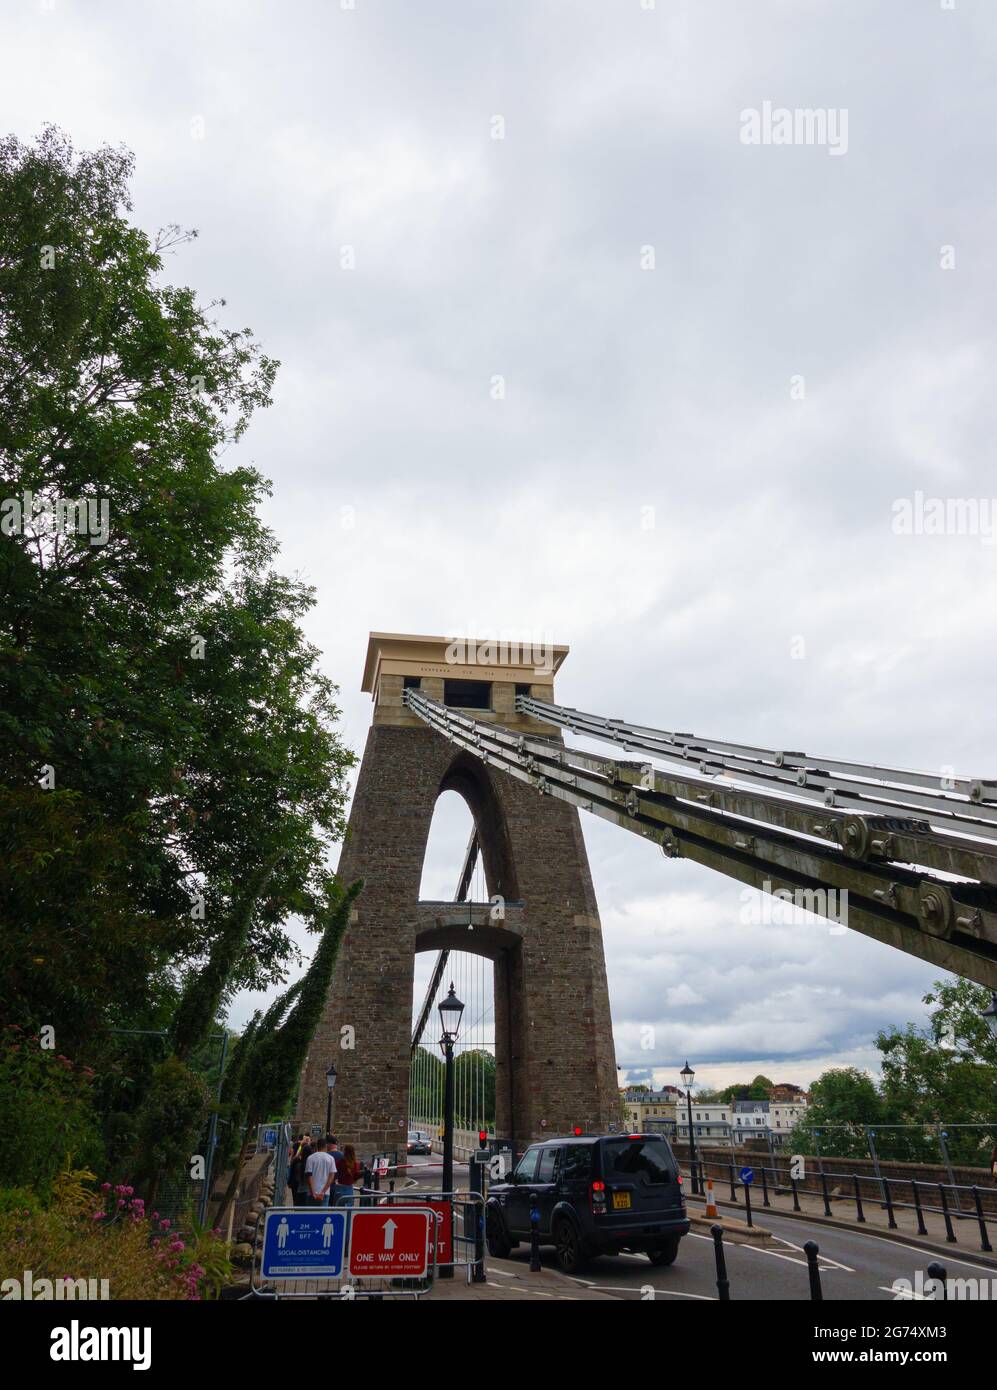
{"x": 626, "y": 389}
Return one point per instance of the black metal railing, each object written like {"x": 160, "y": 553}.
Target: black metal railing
{"x": 853, "y": 1192}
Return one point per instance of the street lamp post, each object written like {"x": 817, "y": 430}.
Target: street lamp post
{"x": 687, "y": 1074}
{"x": 330, "y": 1081}
{"x": 450, "y": 1012}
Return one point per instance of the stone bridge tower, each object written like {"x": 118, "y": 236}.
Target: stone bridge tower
{"x": 555, "y": 1060}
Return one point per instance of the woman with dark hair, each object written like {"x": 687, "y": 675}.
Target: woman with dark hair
{"x": 297, "y": 1179}
{"x": 348, "y": 1173}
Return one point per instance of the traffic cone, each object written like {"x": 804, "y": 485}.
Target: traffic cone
{"x": 711, "y": 1206}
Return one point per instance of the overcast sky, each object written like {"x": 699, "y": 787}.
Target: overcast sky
{"x": 692, "y": 472}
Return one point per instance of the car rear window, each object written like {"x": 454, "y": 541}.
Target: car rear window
{"x": 628, "y": 1158}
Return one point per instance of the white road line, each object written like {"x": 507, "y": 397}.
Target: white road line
{"x": 776, "y": 1254}
{"x": 902, "y": 1245}
{"x": 821, "y": 1258}
{"x": 631, "y": 1288}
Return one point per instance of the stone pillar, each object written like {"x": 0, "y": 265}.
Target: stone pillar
{"x": 555, "y": 1061}
{"x": 555, "y": 1056}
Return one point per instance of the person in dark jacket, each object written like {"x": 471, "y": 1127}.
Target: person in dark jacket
{"x": 297, "y": 1178}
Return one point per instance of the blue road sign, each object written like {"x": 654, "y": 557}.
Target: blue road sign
{"x": 303, "y": 1244}
{"x": 747, "y": 1176}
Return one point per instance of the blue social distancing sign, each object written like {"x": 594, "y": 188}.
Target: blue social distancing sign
{"x": 303, "y": 1244}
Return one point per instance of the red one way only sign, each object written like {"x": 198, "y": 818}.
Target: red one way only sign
{"x": 390, "y": 1242}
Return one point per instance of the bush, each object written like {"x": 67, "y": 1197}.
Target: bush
{"x": 47, "y": 1119}
{"x": 106, "y": 1234}
{"x": 171, "y": 1118}
{"x": 20, "y": 1199}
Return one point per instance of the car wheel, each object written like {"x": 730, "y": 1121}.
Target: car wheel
{"x": 499, "y": 1245}
{"x": 568, "y": 1247}
{"x": 664, "y": 1254}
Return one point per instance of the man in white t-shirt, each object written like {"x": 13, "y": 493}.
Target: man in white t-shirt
{"x": 320, "y": 1171}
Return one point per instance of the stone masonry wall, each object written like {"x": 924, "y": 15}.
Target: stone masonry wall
{"x": 557, "y": 1036}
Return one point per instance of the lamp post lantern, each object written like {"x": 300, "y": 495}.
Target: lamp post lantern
{"x": 688, "y": 1075}
{"x": 451, "y": 1009}
{"x": 330, "y": 1081}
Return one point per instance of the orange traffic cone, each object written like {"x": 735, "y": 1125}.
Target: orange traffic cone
{"x": 711, "y": 1206}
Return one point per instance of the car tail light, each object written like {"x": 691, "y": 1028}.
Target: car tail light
{"x": 597, "y": 1198}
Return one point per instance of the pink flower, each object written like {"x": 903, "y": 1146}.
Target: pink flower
{"x": 99, "y": 1215}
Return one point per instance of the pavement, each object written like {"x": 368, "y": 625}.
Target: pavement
{"x": 843, "y": 1217}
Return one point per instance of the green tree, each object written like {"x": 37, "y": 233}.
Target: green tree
{"x": 842, "y": 1102}
{"x": 273, "y": 1065}
{"x": 169, "y": 1123}
{"x": 53, "y": 1123}
{"x": 164, "y": 725}
{"x": 426, "y": 1087}
{"x": 946, "y": 1073}
{"x": 474, "y": 1087}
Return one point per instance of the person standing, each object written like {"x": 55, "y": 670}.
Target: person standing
{"x": 348, "y": 1174}
{"x": 332, "y": 1145}
{"x": 320, "y": 1170}
{"x": 297, "y": 1178}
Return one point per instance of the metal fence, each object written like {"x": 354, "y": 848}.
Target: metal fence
{"x": 853, "y": 1192}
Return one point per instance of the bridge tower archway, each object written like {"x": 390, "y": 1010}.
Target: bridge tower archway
{"x": 555, "y": 1060}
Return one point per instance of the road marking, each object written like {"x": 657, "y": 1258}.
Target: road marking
{"x": 776, "y": 1254}
{"x": 902, "y": 1296}
{"x": 901, "y": 1245}
{"x": 630, "y": 1288}
{"x": 836, "y": 1264}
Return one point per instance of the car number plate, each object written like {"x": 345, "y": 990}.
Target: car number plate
{"x": 620, "y": 1199}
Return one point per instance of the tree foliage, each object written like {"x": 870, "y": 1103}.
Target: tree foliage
{"x": 945, "y": 1073}
{"x": 164, "y": 726}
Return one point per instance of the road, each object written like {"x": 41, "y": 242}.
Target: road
{"x": 853, "y": 1264}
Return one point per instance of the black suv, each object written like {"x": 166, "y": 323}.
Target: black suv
{"x": 596, "y": 1195}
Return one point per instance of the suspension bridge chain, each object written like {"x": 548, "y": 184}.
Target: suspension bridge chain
{"x": 781, "y": 822}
